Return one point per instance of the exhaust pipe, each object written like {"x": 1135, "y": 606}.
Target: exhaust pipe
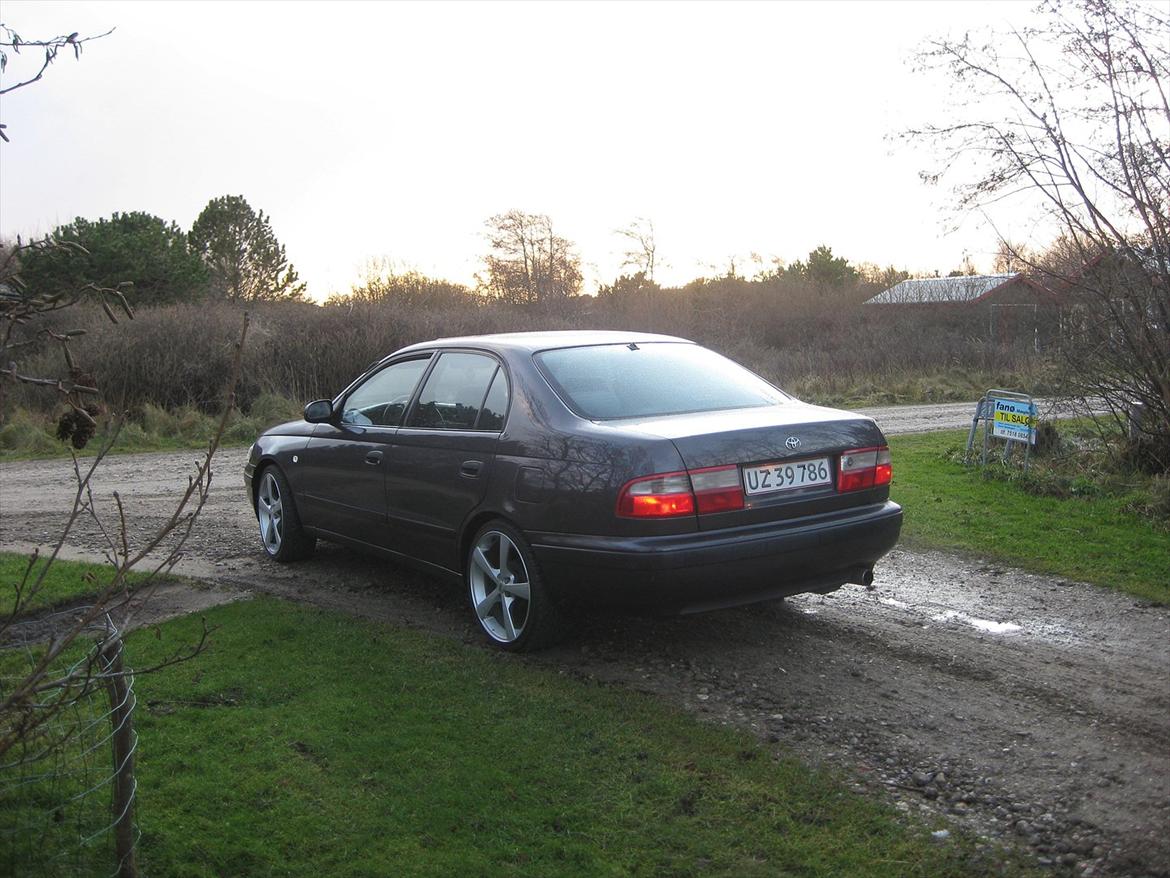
{"x": 863, "y": 576}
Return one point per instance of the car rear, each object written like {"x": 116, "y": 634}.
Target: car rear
{"x": 760, "y": 495}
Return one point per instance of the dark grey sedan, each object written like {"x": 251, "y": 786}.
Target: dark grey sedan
{"x": 553, "y": 469}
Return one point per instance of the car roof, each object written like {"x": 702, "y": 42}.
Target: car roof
{"x": 531, "y": 342}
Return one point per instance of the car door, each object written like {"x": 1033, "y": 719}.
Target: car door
{"x": 341, "y": 484}
{"x": 443, "y": 454}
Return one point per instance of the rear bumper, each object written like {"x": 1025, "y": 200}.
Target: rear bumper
{"x": 707, "y": 570}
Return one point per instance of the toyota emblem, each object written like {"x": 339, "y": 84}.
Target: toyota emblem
{"x": 792, "y": 442}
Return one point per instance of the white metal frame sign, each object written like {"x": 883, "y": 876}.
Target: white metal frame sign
{"x": 1007, "y": 415}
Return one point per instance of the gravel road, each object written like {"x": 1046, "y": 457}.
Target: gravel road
{"x": 949, "y": 415}
{"x": 1025, "y": 709}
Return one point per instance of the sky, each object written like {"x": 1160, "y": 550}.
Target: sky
{"x": 392, "y": 131}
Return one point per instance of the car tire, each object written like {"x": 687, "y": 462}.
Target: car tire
{"x": 507, "y": 591}
{"x": 281, "y": 533}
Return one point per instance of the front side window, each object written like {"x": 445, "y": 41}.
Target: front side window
{"x": 645, "y": 380}
{"x": 381, "y": 400}
{"x": 454, "y": 392}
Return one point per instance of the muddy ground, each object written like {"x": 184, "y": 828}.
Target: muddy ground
{"x": 1025, "y": 709}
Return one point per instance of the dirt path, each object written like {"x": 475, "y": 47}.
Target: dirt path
{"x": 948, "y": 415}
{"x": 159, "y": 601}
{"x": 1025, "y": 708}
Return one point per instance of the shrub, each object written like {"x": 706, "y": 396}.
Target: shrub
{"x": 825, "y": 348}
{"x": 1047, "y": 439}
{"x": 28, "y": 433}
{"x": 270, "y": 409}
{"x": 1158, "y": 507}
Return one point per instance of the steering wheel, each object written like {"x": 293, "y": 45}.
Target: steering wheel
{"x": 401, "y": 403}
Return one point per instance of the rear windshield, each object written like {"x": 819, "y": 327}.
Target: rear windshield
{"x": 602, "y": 382}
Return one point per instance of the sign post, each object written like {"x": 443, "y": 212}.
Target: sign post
{"x": 1006, "y": 415}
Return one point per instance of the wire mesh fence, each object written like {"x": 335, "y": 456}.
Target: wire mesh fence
{"x": 67, "y": 748}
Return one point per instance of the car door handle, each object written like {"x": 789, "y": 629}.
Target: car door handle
{"x": 471, "y": 468}
{"x": 374, "y": 458}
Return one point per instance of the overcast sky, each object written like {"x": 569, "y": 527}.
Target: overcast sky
{"x": 393, "y": 130}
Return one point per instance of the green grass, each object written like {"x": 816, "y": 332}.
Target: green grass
{"x": 32, "y": 437}
{"x": 67, "y": 582}
{"x": 27, "y": 435}
{"x": 307, "y": 743}
{"x": 1096, "y": 537}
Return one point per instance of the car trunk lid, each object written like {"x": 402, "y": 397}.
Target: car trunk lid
{"x": 763, "y": 442}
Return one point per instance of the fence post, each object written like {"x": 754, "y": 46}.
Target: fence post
{"x": 122, "y": 719}
{"x": 1136, "y": 420}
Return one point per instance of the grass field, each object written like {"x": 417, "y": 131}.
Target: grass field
{"x": 26, "y": 434}
{"x": 66, "y": 582}
{"x": 1095, "y": 537}
{"x": 307, "y": 743}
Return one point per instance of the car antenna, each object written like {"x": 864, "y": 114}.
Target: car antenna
{"x": 633, "y": 346}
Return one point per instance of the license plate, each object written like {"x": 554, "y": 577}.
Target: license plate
{"x": 787, "y": 476}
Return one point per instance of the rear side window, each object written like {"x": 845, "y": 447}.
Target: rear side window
{"x": 603, "y": 382}
{"x": 454, "y": 392}
{"x": 495, "y": 406}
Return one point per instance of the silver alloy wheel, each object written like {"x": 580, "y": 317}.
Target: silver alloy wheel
{"x": 500, "y": 590}
{"x": 270, "y": 511}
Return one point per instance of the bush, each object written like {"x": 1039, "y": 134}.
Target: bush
{"x": 822, "y": 346}
{"x": 1160, "y": 499}
{"x": 28, "y": 433}
{"x": 270, "y": 409}
{"x": 1047, "y": 440}
{"x": 1081, "y": 461}
{"x": 1155, "y": 505}
{"x": 1148, "y": 454}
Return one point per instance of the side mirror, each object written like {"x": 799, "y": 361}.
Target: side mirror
{"x": 319, "y": 411}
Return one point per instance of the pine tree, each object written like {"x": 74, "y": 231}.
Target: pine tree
{"x": 242, "y": 255}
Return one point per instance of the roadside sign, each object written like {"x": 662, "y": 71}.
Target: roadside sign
{"x": 1006, "y": 415}
{"x": 1014, "y": 419}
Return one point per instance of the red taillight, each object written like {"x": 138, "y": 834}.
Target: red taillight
{"x": 863, "y": 468}
{"x": 715, "y": 489}
{"x": 658, "y": 496}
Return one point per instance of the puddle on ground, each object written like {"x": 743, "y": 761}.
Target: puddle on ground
{"x": 926, "y": 600}
{"x": 930, "y": 613}
{"x": 980, "y": 624}
{"x": 929, "y": 590}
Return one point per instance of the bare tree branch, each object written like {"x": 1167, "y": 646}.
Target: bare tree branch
{"x": 11, "y": 41}
{"x": 1079, "y": 121}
